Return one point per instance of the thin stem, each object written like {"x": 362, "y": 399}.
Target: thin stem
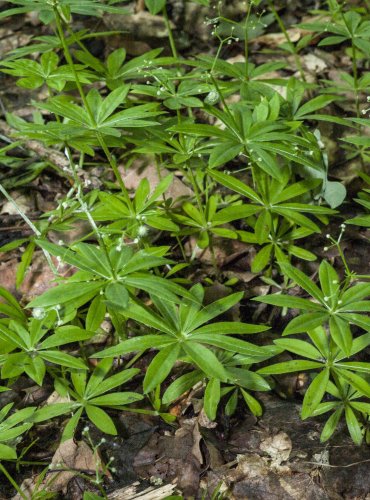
{"x": 85, "y": 209}
{"x": 355, "y": 79}
{"x": 99, "y": 136}
{"x": 69, "y": 60}
{"x": 246, "y": 39}
{"x": 114, "y": 167}
{"x": 170, "y": 34}
{"x": 31, "y": 225}
{"x": 289, "y": 41}
{"x": 12, "y": 481}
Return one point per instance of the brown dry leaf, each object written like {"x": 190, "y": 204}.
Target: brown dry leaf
{"x": 273, "y": 40}
{"x": 39, "y": 277}
{"x": 313, "y": 64}
{"x": 25, "y": 204}
{"x": 173, "y": 458}
{"x": 71, "y": 457}
{"x": 278, "y": 447}
{"x": 75, "y": 457}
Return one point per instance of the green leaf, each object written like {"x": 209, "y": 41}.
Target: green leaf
{"x": 181, "y": 385}
{"x": 155, "y": 6}
{"x": 228, "y": 344}
{"x": 315, "y": 393}
{"x": 205, "y": 360}
{"x": 330, "y": 425}
{"x": 340, "y": 332}
{"x": 97, "y": 386}
{"x": 290, "y": 301}
{"x": 101, "y": 419}
{"x": 303, "y": 281}
{"x": 140, "y": 343}
{"x": 227, "y": 328}
{"x": 7, "y": 452}
{"x": 295, "y": 365}
{"x": 353, "y": 425}
{"x": 252, "y": 403}
{"x": 223, "y": 154}
{"x": 320, "y": 338}
{"x": 334, "y": 193}
{"x": 262, "y": 258}
{"x": 232, "y": 404}
{"x": 116, "y": 399}
{"x": 212, "y": 397}
{"x": 65, "y": 335}
{"x": 70, "y": 428}
{"x": 51, "y": 411}
{"x": 329, "y": 281}
{"x": 248, "y": 379}
{"x": 356, "y": 293}
{"x": 357, "y": 382}
{"x": 117, "y": 296}
{"x": 299, "y": 347}
{"x": 160, "y": 367}
{"x": 95, "y": 314}
{"x": 313, "y": 105}
{"x": 63, "y": 359}
{"x": 65, "y": 293}
{"x": 305, "y": 322}
{"x": 213, "y": 310}
{"x": 26, "y": 260}
{"x": 358, "y": 366}
{"x": 235, "y": 185}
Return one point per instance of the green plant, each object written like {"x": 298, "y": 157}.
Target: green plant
{"x": 11, "y": 428}
{"x": 347, "y": 381}
{"x": 88, "y": 395}
{"x": 113, "y": 270}
{"x": 24, "y": 348}
{"x": 183, "y": 331}
{"x": 255, "y": 161}
{"x": 241, "y": 380}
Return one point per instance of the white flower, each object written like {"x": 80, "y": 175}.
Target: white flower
{"x": 38, "y": 313}
{"x": 142, "y": 231}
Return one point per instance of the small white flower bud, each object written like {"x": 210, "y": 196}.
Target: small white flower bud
{"x": 38, "y": 313}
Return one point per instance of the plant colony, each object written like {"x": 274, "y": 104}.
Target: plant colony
{"x": 259, "y": 173}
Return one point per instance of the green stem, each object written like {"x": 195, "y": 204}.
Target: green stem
{"x": 114, "y": 167}
{"x": 246, "y": 39}
{"x": 100, "y": 138}
{"x": 69, "y": 60}
{"x": 289, "y": 41}
{"x": 355, "y": 79}
{"x": 85, "y": 209}
{"x": 170, "y": 34}
{"x": 12, "y": 481}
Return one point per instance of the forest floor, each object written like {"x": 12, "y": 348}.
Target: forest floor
{"x": 277, "y": 456}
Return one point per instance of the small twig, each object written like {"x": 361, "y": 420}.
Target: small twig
{"x": 37, "y": 147}
{"x": 30, "y": 224}
{"x": 338, "y": 466}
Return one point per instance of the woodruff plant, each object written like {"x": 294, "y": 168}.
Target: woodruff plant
{"x": 259, "y": 174}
